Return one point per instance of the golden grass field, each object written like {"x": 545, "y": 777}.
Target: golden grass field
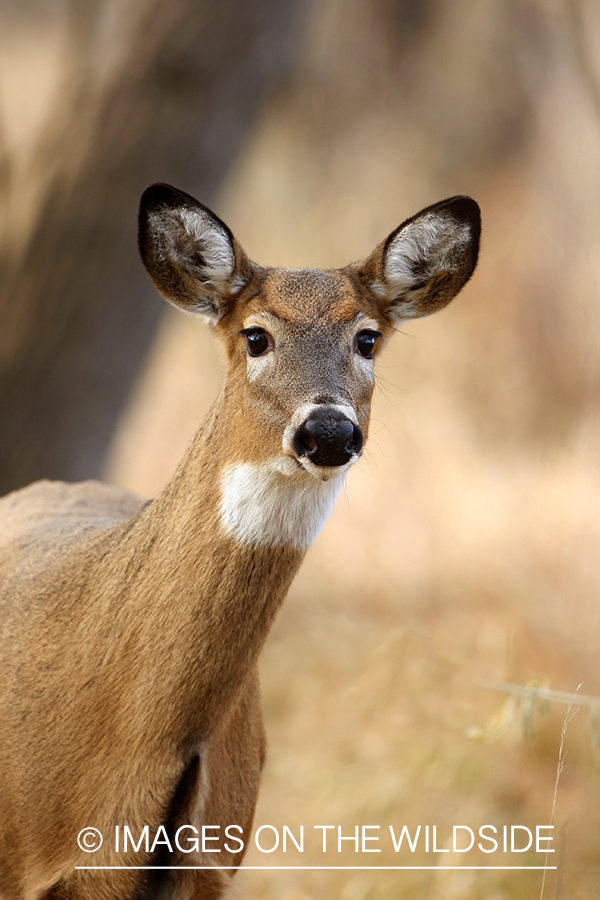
{"x": 466, "y": 547}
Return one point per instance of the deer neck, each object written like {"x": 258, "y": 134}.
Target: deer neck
{"x": 223, "y": 543}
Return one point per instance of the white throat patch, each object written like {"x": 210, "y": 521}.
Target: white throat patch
{"x": 275, "y": 504}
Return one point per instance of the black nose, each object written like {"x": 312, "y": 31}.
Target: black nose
{"x": 328, "y": 438}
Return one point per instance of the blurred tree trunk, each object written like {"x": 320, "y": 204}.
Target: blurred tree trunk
{"x": 166, "y": 91}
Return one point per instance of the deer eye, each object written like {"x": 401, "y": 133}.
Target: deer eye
{"x": 365, "y": 342}
{"x": 259, "y": 341}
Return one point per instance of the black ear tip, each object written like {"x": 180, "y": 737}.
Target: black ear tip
{"x": 159, "y": 198}
{"x": 151, "y": 200}
{"x": 465, "y": 209}
{"x": 157, "y": 195}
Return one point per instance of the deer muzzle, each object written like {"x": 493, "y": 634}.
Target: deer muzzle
{"x": 328, "y": 438}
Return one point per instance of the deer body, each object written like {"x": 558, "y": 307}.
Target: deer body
{"x": 130, "y": 631}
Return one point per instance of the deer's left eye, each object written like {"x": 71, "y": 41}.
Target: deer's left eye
{"x": 259, "y": 341}
{"x": 365, "y": 342}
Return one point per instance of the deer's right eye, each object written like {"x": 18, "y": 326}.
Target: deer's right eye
{"x": 259, "y": 341}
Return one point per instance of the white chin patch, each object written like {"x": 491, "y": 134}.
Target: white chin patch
{"x": 325, "y": 473}
{"x": 276, "y": 503}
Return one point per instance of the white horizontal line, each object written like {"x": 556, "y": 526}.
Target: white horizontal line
{"x": 342, "y": 868}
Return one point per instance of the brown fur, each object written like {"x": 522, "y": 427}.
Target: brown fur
{"x": 130, "y": 631}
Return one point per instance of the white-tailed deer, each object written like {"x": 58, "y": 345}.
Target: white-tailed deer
{"x": 130, "y": 631}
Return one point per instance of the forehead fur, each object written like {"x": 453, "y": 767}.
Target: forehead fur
{"x": 303, "y": 295}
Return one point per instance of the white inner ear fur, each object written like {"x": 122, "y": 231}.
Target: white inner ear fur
{"x": 427, "y": 246}
{"x": 215, "y": 247}
{"x": 275, "y": 504}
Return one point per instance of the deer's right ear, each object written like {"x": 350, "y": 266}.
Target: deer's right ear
{"x": 190, "y": 254}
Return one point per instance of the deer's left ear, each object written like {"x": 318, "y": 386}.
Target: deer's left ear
{"x": 425, "y": 262}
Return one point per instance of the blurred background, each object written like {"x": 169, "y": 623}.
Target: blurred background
{"x": 466, "y": 547}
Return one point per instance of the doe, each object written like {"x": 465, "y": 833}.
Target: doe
{"x": 130, "y": 631}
